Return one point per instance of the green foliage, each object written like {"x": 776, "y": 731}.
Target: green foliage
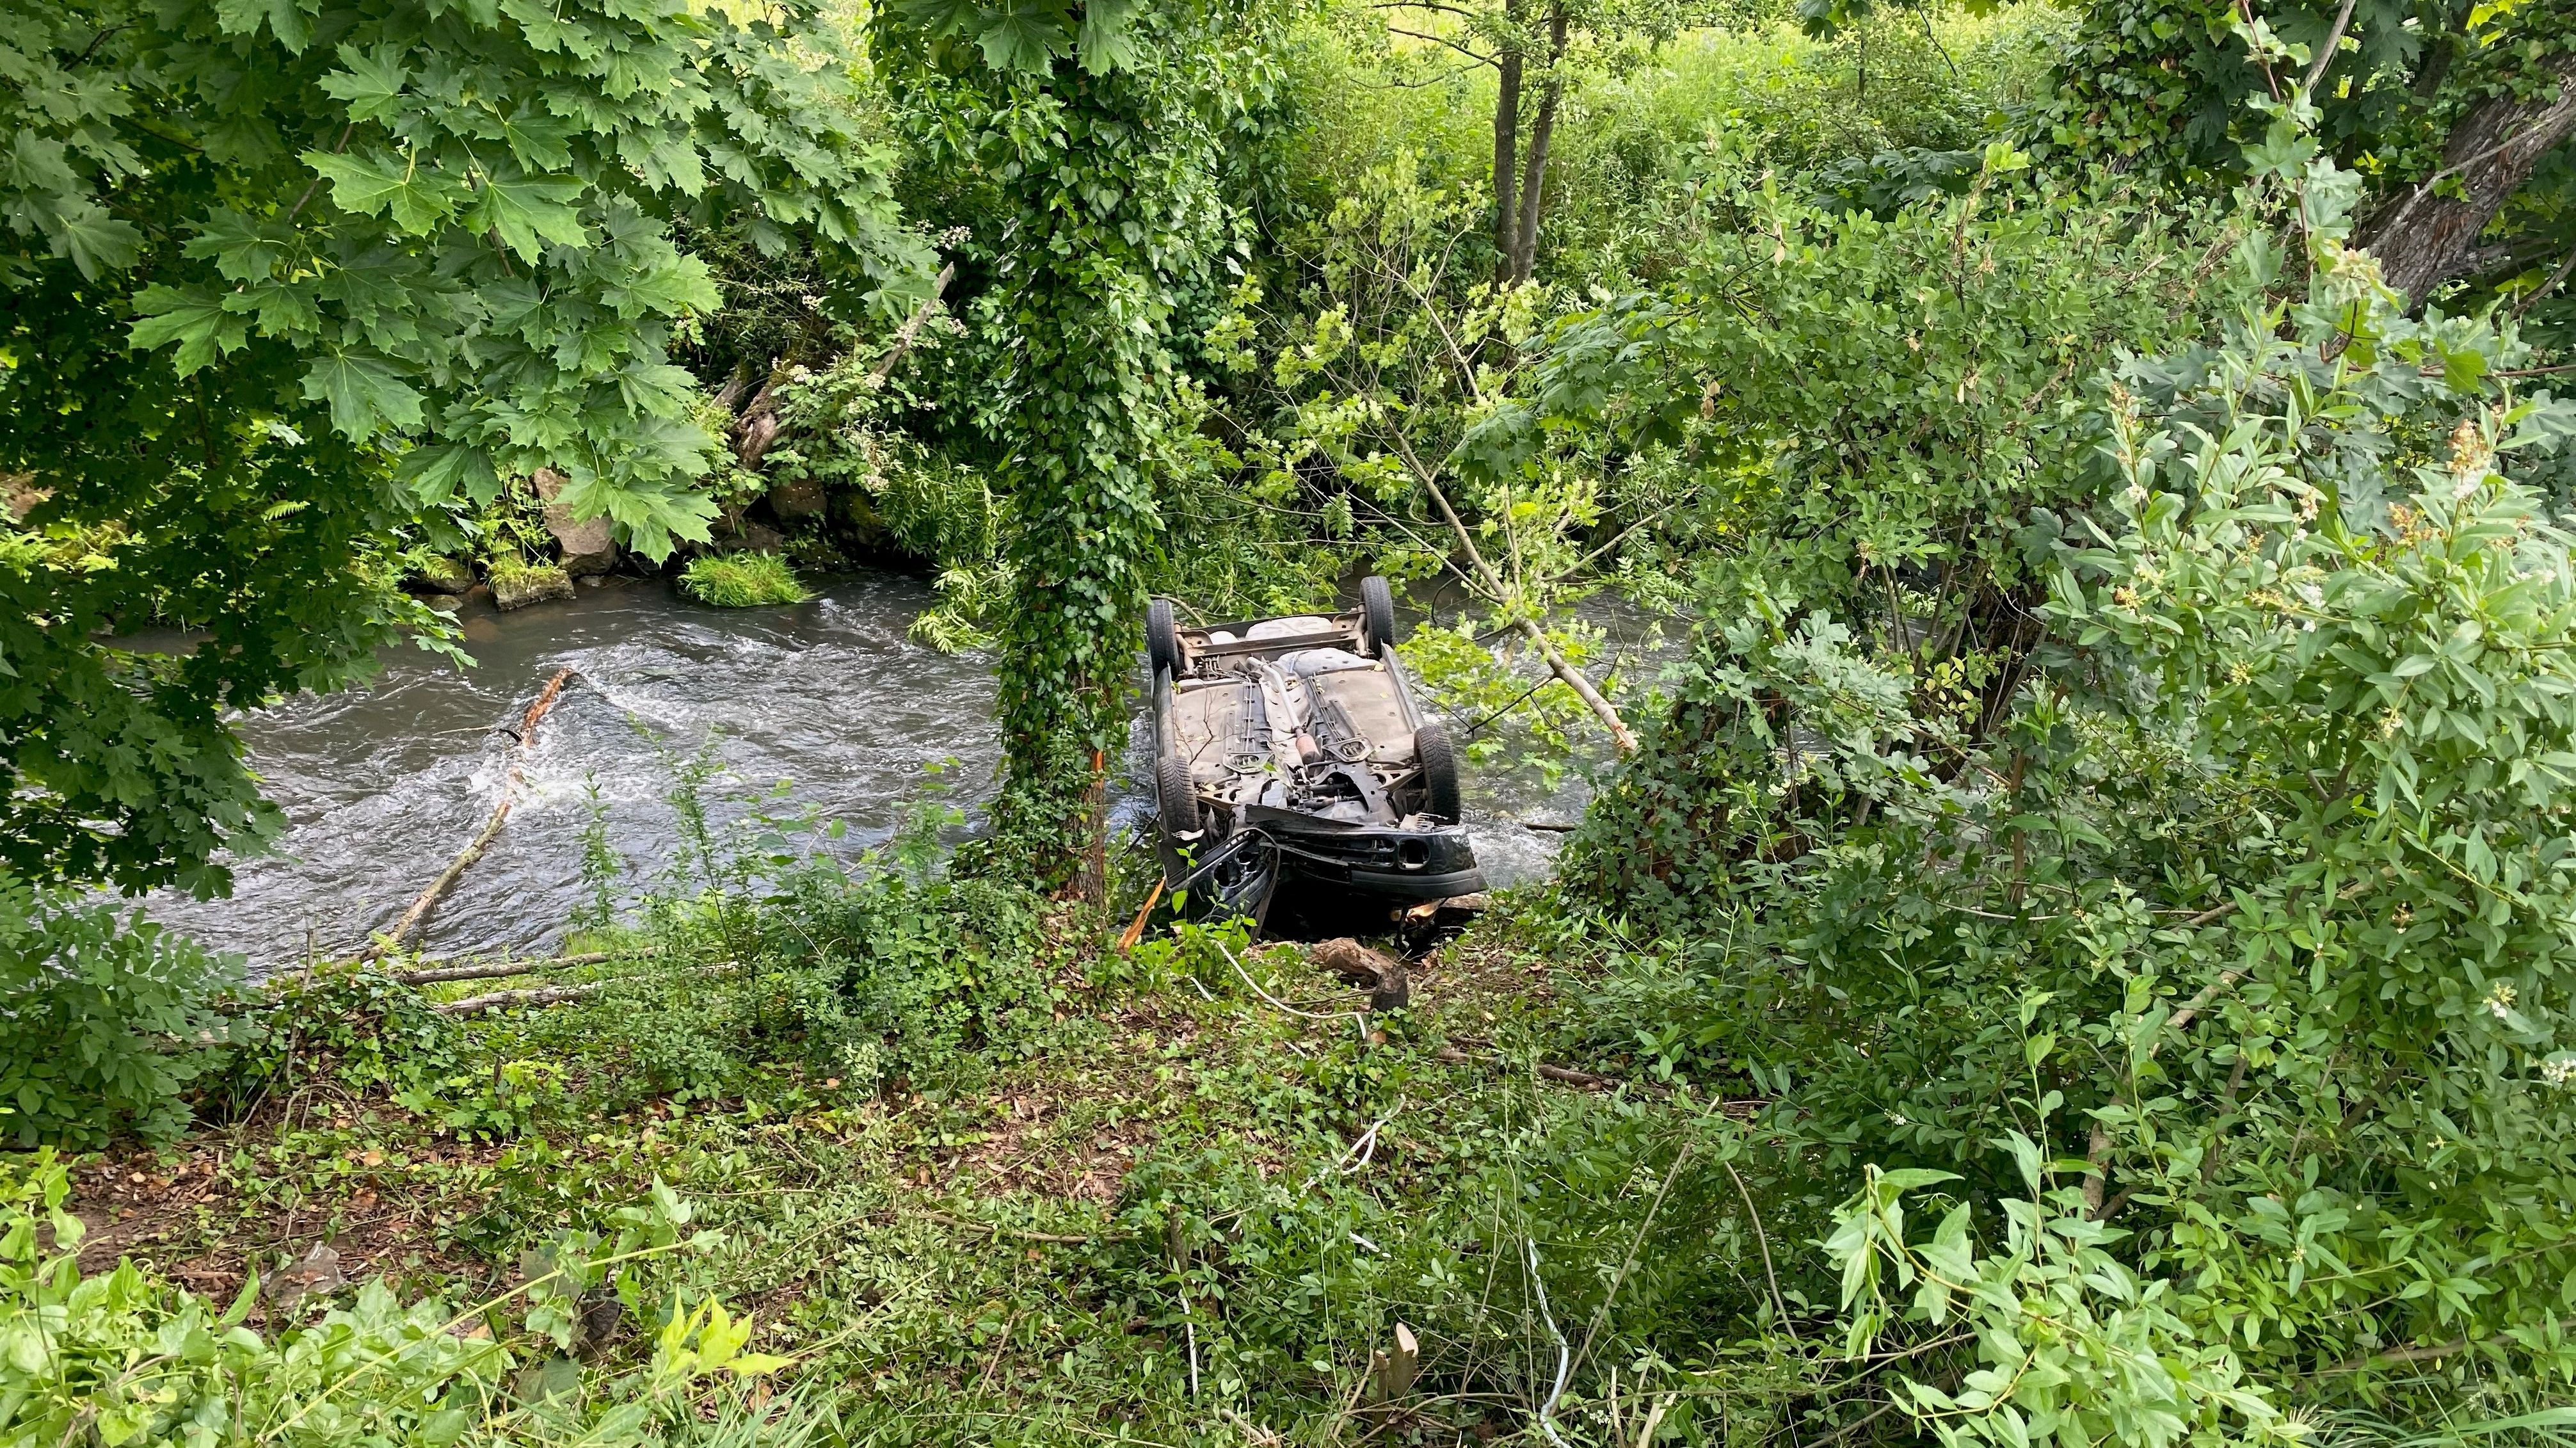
{"x": 838, "y": 429}
{"x": 130, "y": 1359}
{"x": 267, "y": 541}
{"x": 1103, "y": 174}
{"x": 418, "y": 201}
{"x": 2072, "y": 1346}
{"x": 2242, "y": 900}
{"x": 2170, "y": 83}
{"x": 284, "y": 278}
{"x": 103, "y": 1021}
{"x": 1899, "y": 100}
{"x": 742, "y": 580}
{"x": 2178, "y": 90}
{"x": 1863, "y": 409}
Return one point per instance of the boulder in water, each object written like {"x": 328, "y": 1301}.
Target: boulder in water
{"x": 516, "y": 585}
{"x": 588, "y": 546}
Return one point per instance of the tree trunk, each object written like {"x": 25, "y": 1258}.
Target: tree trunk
{"x": 1524, "y": 255}
{"x": 2423, "y": 239}
{"x": 1507, "y": 146}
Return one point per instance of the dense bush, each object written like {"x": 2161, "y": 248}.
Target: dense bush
{"x": 103, "y": 1020}
{"x": 2241, "y": 910}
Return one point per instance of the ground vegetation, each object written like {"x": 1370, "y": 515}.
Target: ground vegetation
{"x": 2071, "y": 952}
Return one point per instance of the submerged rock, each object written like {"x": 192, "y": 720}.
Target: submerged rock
{"x": 520, "y": 584}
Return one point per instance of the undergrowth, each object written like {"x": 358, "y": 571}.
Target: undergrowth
{"x": 742, "y": 580}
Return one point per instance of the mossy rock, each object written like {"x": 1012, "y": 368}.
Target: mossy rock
{"x": 443, "y": 575}
{"x": 516, "y": 585}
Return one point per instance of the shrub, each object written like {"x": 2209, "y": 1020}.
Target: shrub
{"x": 2239, "y": 923}
{"x": 102, "y": 1020}
{"x": 742, "y": 580}
{"x": 126, "y": 1358}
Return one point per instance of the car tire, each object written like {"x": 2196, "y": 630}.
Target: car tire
{"x": 1377, "y": 614}
{"x": 1439, "y": 764}
{"x": 1176, "y": 796}
{"x": 1162, "y": 639}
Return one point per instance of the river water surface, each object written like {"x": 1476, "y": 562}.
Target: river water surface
{"x": 382, "y": 785}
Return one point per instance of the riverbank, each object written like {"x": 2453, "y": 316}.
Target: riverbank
{"x": 1182, "y": 1194}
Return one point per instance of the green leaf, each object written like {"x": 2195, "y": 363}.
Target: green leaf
{"x": 373, "y": 185}
{"x": 2463, "y": 369}
{"x": 2026, "y": 1156}
{"x": 1108, "y": 39}
{"x": 96, "y": 242}
{"x": 365, "y": 395}
{"x": 373, "y": 83}
{"x": 37, "y": 163}
{"x": 681, "y": 285}
{"x": 1023, "y": 35}
{"x": 440, "y": 471}
{"x": 285, "y": 19}
{"x": 538, "y": 140}
{"x": 240, "y": 248}
{"x": 527, "y": 212}
{"x": 192, "y": 317}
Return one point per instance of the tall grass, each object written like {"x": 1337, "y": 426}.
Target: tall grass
{"x": 742, "y": 580}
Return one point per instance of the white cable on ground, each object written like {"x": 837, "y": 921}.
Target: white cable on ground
{"x": 1274, "y": 1000}
{"x": 1564, "y": 1353}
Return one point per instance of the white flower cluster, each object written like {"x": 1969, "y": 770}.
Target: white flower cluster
{"x": 2500, "y": 999}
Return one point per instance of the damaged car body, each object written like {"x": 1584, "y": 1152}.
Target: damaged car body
{"x": 1291, "y": 752}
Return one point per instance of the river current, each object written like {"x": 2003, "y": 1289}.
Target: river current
{"x": 827, "y": 702}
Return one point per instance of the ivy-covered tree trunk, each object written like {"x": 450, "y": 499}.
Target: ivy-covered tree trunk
{"x": 1086, "y": 521}
{"x": 1098, "y": 134}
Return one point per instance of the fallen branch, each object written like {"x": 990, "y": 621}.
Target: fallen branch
{"x": 465, "y": 858}
{"x": 498, "y": 970}
{"x": 1529, "y": 628}
{"x": 1135, "y": 930}
{"x": 544, "y": 995}
{"x": 1566, "y": 1075}
{"x": 549, "y": 995}
{"x": 912, "y": 327}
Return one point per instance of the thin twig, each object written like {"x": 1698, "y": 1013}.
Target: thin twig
{"x": 1564, "y": 1354}
{"x": 1619, "y": 1278}
{"x": 1573, "y": 677}
{"x": 1274, "y": 1000}
{"x": 1779, "y": 1303}
{"x": 912, "y": 327}
{"x": 964, "y": 1225}
{"x": 2326, "y": 52}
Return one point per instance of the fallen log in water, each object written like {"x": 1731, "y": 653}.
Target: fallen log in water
{"x": 437, "y": 889}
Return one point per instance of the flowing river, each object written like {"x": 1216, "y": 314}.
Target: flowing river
{"x": 826, "y": 702}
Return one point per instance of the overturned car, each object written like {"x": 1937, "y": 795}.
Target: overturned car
{"x": 1291, "y": 752}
